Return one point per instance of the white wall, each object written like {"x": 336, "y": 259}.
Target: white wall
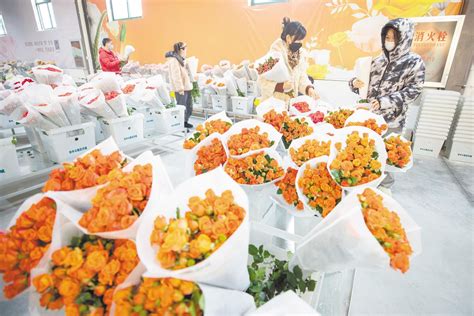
{"x": 21, "y": 28}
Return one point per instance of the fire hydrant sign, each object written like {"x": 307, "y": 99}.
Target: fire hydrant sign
{"x": 435, "y": 40}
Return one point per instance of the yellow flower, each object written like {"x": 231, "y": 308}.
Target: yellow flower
{"x": 204, "y": 243}
{"x": 317, "y": 71}
{"x": 337, "y": 39}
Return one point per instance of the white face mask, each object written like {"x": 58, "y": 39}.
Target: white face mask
{"x": 389, "y": 45}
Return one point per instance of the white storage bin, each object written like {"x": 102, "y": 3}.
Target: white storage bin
{"x": 124, "y": 130}
{"x": 150, "y": 120}
{"x": 7, "y": 123}
{"x": 9, "y": 166}
{"x": 462, "y": 151}
{"x": 170, "y": 120}
{"x": 252, "y": 88}
{"x": 99, "y": 133}
{"x": 35, "y": 140}
{"x": 427, "y": 145}
{"x": 206, "y": 102}
{"x": 242, "y": 105}
{"x": 220, "y": 102}
{"x": 66, "y": 143}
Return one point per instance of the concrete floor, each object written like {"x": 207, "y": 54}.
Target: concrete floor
{"x": 440, "y": 280}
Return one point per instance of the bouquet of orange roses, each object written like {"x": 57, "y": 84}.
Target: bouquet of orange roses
{"x": 357, "y": 157}
{"x": 287, "y": 189}
{"x": 269, "y": 104}
{"x": 400, "y": 157}
{"x": 249, "y": 136}
{"x": 117, "y": 207}
{"x": 26, "y": 242}
{"x": 207, "y": 155}
{"x": 338, "y": 118}
{"x": 172, "y": 296}
{"x": 294, "y": 128}
{"x": 315, "y": 187}
{"x": 83, "y": 274}
{"x": 309, "y": 147}
{"x": 368, "y": 119}
{"x": 367, "y": 229}
{"x": 76, "y": 182}
{"x": 218, "y": 123}
{"x": 200, "y": 233}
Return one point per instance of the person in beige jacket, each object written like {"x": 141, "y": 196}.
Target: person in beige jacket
{"x": 180, "y": 78}
{"x": 289, "y": 45}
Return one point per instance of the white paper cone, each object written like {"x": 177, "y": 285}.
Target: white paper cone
{"x": 161, "y": 188}
{"x": 118, "y": 105}
{"x": 389, "y": 168}
{"x": 129, "y": 49}
{"x": 242, "y": 85}
{"x": 42, "y": 98}
{"x": 219, "y": 116}
{"x": 285, "y": 304}
{"x": 106, "y": 81}
{"x": 217, "y": 301}
{"x": 361, "y": 116}
{"x": 45, "y": 74}
{"x": 10, "y": 102}
{"x": 67, "y": 96}
{"x": 362, "y": 71}
{"x": 342, "y": 240}
{"x": 30, "y": 117}
{"x": 279, "y": 72}
{"x": 270, "y": 104}
{"x": 253, "y": 74}
{"x": 302, "y": 98}
{"x": 227, "y": 267}
{"x": 230, "y": 83}
{"x": 94, "y": 101}
{"x": 150, "y": 98}
{"x": 193, "y": 64}
{"x": 191, "y": 155}
{"x": 240, "y": 71}
{"x": 81, "y": 199}
{"x": 68, "y": 81}
{"x": 55, "y": 236}
{"x": 273, "y": 135}
{"x": 324, "y": 128}
{"x": 162, "y": 89}
{"x": 340, "y": 137}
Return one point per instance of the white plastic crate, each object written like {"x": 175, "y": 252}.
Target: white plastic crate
{"x": 462, "y": 151}
{"x": 206, "y": 102}
{"x": 66, "y": 143}
{"x": 124, "y": 130}
{"x": 252, "y": 88}
{"x": 220, "y": 102}
{"x": 99, "y": 133}
{"x": 242, "y": 105}
{"x": 7, "y": 123}
{"x": 170, "y": 120}
{"x": 9, "y": 166}
{"x": 150, "y": 120}
{"x": 35, "y": 140}
{"x": 427, "y": 145}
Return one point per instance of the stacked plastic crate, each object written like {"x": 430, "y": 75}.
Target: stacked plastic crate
{"x": 438, "y": 108}
{"x": 461, "y": 142}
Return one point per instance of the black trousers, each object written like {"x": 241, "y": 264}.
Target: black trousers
{"x": 187, "y": 100}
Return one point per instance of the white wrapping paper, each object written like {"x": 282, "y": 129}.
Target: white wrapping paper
{"x": 10, "y": 102}
{"x": 273, "y": 135}
{"x": 69, "y": 103}
{"x": 279, "y": 72}
{"x": 42, "y": 98}
{"x": 193, "y": 64}
{"x": 285, "y": 304}
{"x": 341, "y": 136}
{"x": 45, "y": 76}
{"x": 94, "y": 102}
{"x": 30, "y": 117}
{"x": 118, "y": 105}
{"x": 362, "y": 71}
{"x": 163, "y": 91}
{"x": 106, "y": 81}
{"x": 227, "y": 267}
{"x": 270, "y": 104}
{"x": 55, "y": 236}
{"x": 324, "y": 128}
{"x": 161, "y": 188}
{"x": 342, "y": 240}
{"x": 231, "y": 83}
{"x": 217, "y": 301}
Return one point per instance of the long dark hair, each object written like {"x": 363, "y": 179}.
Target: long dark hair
{"x": 292, "y": 28}
{"x": 177, "y": 47}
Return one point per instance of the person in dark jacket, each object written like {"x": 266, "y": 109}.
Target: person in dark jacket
{"x": 397, "y": 75}
{"x": 109, "y": 61}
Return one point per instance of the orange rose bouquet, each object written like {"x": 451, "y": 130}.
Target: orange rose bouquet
{"x": 318, "y": 191}
{"x": 294, "y": 128}
{"x": 218, "y": 123}
{"x": 84, "y": 274}
{"x": 399, "y": 153}
{"x": 338, "y": 118}
{"x": 275, "y": 119}
{"x": 368, "y": 119}
{"x": 26, "y": 242}
{"x": 357, "y": 157}
{"x": 209, "y": 155}
{"x": 255, "y": 169}
{"x": 307, "y": 148}
{"x": 271, "y": 108}
{"x": 200, "y": 233}
{"x": 367, "y": 229}
{"x": 287, "y": 189}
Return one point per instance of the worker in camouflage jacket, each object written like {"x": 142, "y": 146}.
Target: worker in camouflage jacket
{"x": 397, "y": 75}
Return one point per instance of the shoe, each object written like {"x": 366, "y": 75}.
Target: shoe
{"x": 187, "y": 125}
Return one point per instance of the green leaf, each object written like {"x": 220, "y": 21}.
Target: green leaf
{"x": 292, "y": 280}
{"x": 279, "y": 191}
{"x": 297, "y": 271}
{"x": 123, "y": 32}
{"x": 375, "y": 155}
{"x": 302, "y": 286}
{"x": 311, "y": 285}
{"x": 253, "y": 250}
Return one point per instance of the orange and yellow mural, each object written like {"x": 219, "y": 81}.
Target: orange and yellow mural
{"x": 339, "y": 31}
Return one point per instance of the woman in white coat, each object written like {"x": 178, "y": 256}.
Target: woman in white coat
{"x": 289, "y": 46}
